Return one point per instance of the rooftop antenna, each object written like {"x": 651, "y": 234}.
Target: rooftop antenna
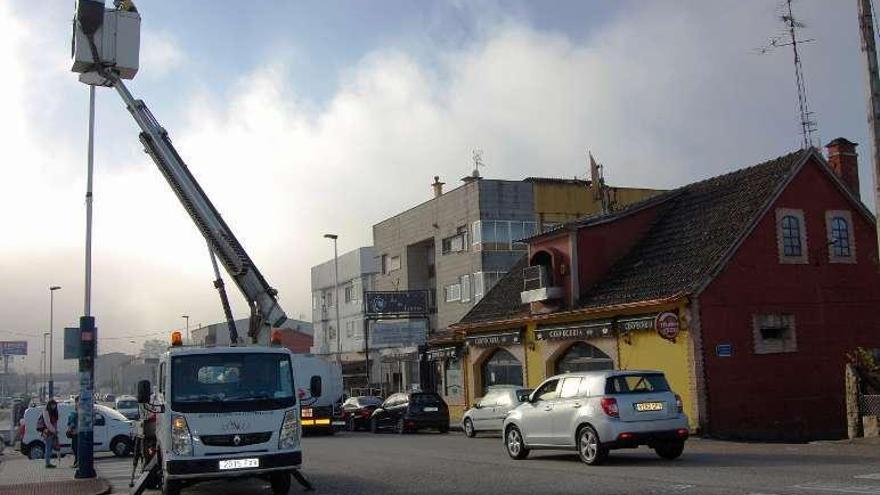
{"x": 789, "y": 37}
{"x": 478, "y": 162}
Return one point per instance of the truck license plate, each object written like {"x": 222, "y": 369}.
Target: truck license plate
{"x": 649, "y": 406}
{"x": 239, "y": 464}
{"x": 430, "y": 409}
{"x": 307, "y": 412}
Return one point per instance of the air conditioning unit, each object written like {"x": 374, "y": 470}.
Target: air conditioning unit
{"x": 537, "y": 285}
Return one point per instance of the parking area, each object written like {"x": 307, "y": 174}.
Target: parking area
{"x": 429, "y": 463}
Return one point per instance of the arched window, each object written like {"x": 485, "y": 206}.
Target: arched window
{"x": 840, "y": 237}
{"x": 503, "y": 368}
{"x": 583, "y": 357}
{"x": 791, "y": 236}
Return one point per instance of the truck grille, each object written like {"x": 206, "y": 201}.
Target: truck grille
{"x": 229, "y": 440}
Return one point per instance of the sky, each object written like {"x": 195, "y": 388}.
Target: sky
{"x": 303, "y": 118}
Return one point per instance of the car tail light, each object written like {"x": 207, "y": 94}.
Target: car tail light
{"x": 625, "y": 436}
{"x": 609, "y": 405}
{"x": 678, "y": 404}
{"x": 682, "y": 432}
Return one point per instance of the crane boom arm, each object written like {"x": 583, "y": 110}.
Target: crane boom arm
{"x": 260, "y": 295}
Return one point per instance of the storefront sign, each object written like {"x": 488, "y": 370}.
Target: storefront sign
{"x": 583, "y": 331}
{"x": 667, "y": 326}
{"x": 396, "y": 302}
{"x": 724, "y": 350}
{"x": 637, "y": 323}
{"x": 495, "y": 339}
{"x": 443, "y": 353}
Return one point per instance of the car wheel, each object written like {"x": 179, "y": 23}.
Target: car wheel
{"x": 121, "y": 447}
{"x": 670, "y": 450}
{"x": 513, "y": 441}
{"x": 374, "y": 425}
{"x": 400, "y": 428}
{"x": 36, "y": 450}
{"x": 469, "y": 428}
{"x": 589, "y": 447}
{"x": 280, "y": 483}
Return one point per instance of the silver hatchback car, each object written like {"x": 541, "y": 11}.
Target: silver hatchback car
{"x": 596, "y": 411}
{"x": 489, "y": 412}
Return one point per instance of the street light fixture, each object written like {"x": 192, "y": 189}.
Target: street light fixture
{"x": 186, "y": 317}
{"x": 52, "y": 290}
{"x": 334, "y": 237}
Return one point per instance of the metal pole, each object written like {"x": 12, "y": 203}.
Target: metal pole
{"x": 87, "y": 329}
{"x": 872, "y": 76}
{"x": 52, "y": 338}
{"x": 338, "y": 302}
{"x": 367, "y": 348}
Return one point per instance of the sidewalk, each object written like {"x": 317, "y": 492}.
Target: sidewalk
{"x": 22, "y": 476}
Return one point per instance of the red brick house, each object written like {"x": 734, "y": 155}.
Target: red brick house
{"x": 771, "y": 270}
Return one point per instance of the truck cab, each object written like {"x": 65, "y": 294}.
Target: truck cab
{"x": 225, "y": 412}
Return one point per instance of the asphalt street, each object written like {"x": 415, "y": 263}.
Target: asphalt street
{"x": 431, "y": 463}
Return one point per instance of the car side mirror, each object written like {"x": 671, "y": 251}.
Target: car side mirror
{"x": 532, "y": 398}
{"x": 315, "y": 386}
{"x": 144, "y": 390}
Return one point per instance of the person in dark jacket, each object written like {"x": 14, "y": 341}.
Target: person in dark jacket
{"x": 72, "y": 430}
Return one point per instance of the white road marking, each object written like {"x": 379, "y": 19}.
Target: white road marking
{"x": 680, "y": 487}
{"x": 871, "y": 476}
{"x": 863, "y": 489}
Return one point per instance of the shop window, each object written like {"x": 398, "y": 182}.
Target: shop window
{"x": 791, "y": 236}
{"x": 503, "y": 368}
{"x": 452, "y": 384}
{"x": 583, "y": 357}
{"x": 841, "y": 243}
{"x": 774, "y": 333}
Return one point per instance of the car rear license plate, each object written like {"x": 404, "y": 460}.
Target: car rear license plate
{"x": 307, "y": 412}
{"x": 649, "y": 406}
{"x": 430, "y": 409}
{"x": 239, "y": 464}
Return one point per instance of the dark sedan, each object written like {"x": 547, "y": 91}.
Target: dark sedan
{"x": 411, "y": 411}
{"x": 357, "y": 411}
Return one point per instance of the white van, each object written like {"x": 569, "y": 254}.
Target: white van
{"x": 112, "y": 432}
{"x": 128, "y": 407}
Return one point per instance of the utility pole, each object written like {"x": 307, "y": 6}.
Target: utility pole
{"x": 869, "y": 48}
{"x": 52, "y": 338}
{"x": 334, "y": 237}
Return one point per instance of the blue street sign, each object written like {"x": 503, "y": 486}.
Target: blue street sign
{"x": 724, "y": 350}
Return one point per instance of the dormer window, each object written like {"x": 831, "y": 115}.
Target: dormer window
{"x": 538, "y": 280}
{"x": 791, "y": 236}
{"x": 841, "y": 241}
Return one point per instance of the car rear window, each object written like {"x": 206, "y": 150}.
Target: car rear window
{"x": 369, "y": 401}
{"x": 426, "y": 399}
{"x": 636, "y": 384}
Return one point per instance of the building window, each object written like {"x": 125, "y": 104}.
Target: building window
{"x": 331, "y": 333}
{"x": 328, "y": 299}
{"x": 483, "y": 283}
{"x": 452, "y": 384}
{"x": 791, "y": 234}
{"x": 348, "y": 291}
{"x": 455, "y": 243}
{"x": 390, "y": 263}
{"x": 452, "y": 292}
{"x": 841, "y": 241}
{"x": 503, "y": 368}
{"x": 315, "y": 300}
{"x": 384, "y": 264}
{"x": 583, "y": 357}
{"x": 774, "y": 333}
{"x": 465, "y": 288}
{"x": 502, "y": 235}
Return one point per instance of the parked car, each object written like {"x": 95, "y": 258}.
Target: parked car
{"x": 489, "y": 412}
{"x": 356, "y": 411}
{"x": 128, "y": 407}
{"x": 411, "y": 411}
{"x": 112, "y": 432}
{"x": 597, "y": 411}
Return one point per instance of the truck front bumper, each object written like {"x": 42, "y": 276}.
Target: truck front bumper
{"x": 210, "y": 468}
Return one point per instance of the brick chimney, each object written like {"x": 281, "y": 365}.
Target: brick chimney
{"x": 438, "y": 186}
{"x": 844, "y": 161}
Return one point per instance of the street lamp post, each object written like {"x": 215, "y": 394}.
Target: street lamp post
{"x": 186, "y": 318}
{"x": 334, "y": 237}
{"x": 52, "y": 290}
{"x": 43, "y": 374}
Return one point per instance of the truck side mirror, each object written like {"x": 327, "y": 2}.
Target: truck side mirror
{"x": 144, "y": 391}
{"x": 315, "y": 386}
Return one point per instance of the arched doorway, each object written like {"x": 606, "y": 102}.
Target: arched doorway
{"x": 502, "y": 368}
{"x": 583, "y": 357}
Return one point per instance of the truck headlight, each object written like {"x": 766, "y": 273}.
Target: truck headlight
{"x": 289, "y": 435}
{"x": 181, "y": 439}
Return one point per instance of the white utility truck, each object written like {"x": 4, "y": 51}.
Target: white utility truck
{"x": 224, "y": 412}
{"x": 320, "y": 413}
{"x": 217, "y": 411}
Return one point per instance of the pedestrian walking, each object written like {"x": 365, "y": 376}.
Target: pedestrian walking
{"x": 47, "y": 425}
{"x": 72, "y": 431}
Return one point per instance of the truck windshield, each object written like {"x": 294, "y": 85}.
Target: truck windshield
{"x": 231, "y": 382}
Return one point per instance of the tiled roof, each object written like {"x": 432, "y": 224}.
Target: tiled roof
{"x": 503, "y": 300}
{"x": 696, "y": 227}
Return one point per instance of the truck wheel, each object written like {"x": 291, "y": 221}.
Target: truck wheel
{"x": 280, "y": 483}
{"x": 121, "y": 447}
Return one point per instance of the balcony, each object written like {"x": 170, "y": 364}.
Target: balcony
{"x": 537, "y": 285}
